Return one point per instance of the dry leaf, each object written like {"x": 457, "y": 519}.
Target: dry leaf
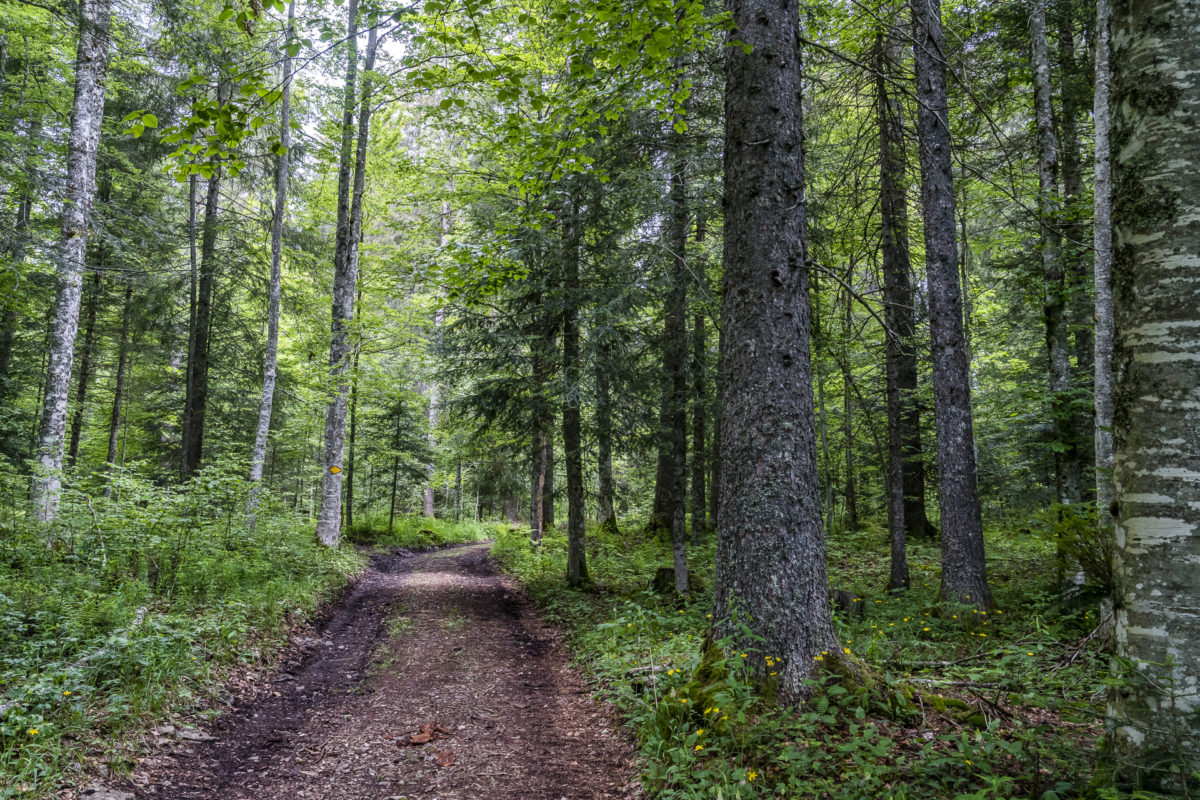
{"x": 445, "y": 758}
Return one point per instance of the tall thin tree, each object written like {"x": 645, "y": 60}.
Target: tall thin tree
{"x": 262, "y": 431}
{"x": 83, "y": 140}
{"x": 964, "y": 572}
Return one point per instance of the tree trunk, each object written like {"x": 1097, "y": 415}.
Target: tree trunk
{"x": 18, "y": 242}
{"x": 697, "y": 497}
{"x": 1066, "y": 462}
{"x": 258, "y": 456}
{"x": 770, "y": 558}
{"x": 714, "y": 484}
{"x": 900, "y": 351}
{"x": 542, "y": 424}
{"x": 87, "y": 113}
{"x": 548, "y": 483}
{"x": 1075, "y": 253}
{"x": 114, "y": 419}
{"x": 345, "y": 280}
{"x": 196, "y": 404}
{"x": 964, "y": 574}
{"x": 1154, "y": 734}
{"x": 851, "y": 489}
{"x": 606, "y": 496}
{"x": 458, "y": 491}
{"x": 85, "y": 367}
{"x": 577, "y": 573}
{"x": 1102, "y": 245}
{"x": 353, "y": 431}
{"x": 675, "y": 365}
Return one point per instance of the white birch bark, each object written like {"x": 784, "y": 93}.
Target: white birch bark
{"x": 271, "y": 359}
{"x": 1154, "y": 734}
{"x": 87, "y": 113}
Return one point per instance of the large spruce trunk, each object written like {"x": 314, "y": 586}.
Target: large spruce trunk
{"x": 771, "y": 585}
{"x": 1154, "y": 734}
{"x": 83, "y": 139}
{"x": 964, "y": 573}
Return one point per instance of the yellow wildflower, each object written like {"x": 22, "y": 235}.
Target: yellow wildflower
{"x": 751, "y": 775}
{"x": 699, "y": 747}
{"x": 33, "y": 731}
{"x": 700, "y": 732}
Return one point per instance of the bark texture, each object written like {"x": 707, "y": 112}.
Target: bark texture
{"x": 1155, "y": 712}
{"x": 964, "y": 574}
{"x": 697, "y": 497}
{"x": 1102, "y": 244}
{"x": 906, "y": 473}
{"x": 258, "y": 456}
{"x": 345, "y": 282}
{"x": 770, "y": 573}
{"x": 196, "y": 404}
{"x": 86, "y": 356}
{"x": 572, "y": 421}
{"x": 87, "y": 112}
{"x": 900, "y": 350}
{"x": 605, "y": 498}
{"x": 1054, "y": 297}
{"x": 114, "y": 418}
{"x": 675, "y": 400}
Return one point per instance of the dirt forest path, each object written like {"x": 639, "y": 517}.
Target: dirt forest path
{"x": 435, "y": 645}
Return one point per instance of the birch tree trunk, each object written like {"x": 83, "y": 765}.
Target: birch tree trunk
{"x": 964, "y": 573}
{"x": 262, "y": 431}
{"x": 351, "y": 175}
{"x": 1154, "y": 734}
{"x": 87, "y": 113}
{"x": 770, "y": 560}
{"x": 1102, "y": 244}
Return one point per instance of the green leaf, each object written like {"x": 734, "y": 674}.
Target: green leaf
{"x": 149, "y": 120}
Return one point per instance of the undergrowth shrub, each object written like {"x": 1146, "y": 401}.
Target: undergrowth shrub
{"x": 132, "y": 606}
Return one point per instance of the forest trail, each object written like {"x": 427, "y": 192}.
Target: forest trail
{"x": 437, "y": 637}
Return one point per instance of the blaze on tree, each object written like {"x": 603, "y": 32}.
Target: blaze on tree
{"x": 770, "y": 561}
{"x": 1155, "y": 710}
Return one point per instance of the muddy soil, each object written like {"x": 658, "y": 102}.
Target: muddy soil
{"x": 433, "y": 678}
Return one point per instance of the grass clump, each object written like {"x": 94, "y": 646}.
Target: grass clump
{"x": 421, "y": 533}
{"x": 961, "y": 705}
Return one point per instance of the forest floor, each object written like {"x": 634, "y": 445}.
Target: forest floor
{"x": 433, "y": 677}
